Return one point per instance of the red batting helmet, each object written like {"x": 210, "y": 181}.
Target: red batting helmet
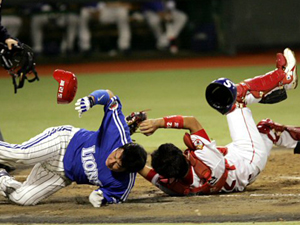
{"x": 67, "y": 86}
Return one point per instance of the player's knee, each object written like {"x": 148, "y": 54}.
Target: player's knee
{"x": 18, "y": 202}
{"x": 22, "y": 199}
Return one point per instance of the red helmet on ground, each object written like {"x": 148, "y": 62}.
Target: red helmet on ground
{"x": 67, "y": 86}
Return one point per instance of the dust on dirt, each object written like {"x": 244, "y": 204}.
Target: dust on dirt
{"x": 273, "y": 197}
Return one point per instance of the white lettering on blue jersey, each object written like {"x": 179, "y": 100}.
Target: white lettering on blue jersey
{"x": 89, "y": 165}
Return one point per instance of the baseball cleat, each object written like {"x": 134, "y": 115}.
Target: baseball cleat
{"x": 280, "y": 61}
{"x": 291, "y": 79}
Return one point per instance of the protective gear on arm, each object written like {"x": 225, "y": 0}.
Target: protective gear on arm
{"x": 175, "y": 121}
{"x": 100, "y": 97}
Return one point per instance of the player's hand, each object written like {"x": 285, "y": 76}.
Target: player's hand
{"x": 134, "y": 120}
{"x": 10, "y": 42}
{"x": 83, "y": 104}
{"x": 148, "y": 127}
{"x": 96, "y": 198}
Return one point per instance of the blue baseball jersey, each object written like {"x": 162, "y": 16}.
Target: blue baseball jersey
{"x": 86, "y": 154}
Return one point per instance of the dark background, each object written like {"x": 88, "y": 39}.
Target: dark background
{"x": 214, "y": 27}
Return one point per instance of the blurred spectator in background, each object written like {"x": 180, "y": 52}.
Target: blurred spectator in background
{"x": 165, "y": 21}
{"x": 5, "y": 37}
{"x": 106, "y": 13}
{"x": 11, "y": 21}
{"x": 61, "y": 16}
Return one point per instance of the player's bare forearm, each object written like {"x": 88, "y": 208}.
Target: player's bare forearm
{"x": 145, "y": 171}
{"x": 149, "y": 126}
{"x": 190, "y": 123}
{"x": 149, "y": 174}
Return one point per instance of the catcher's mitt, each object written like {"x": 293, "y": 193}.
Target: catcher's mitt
{"x": 134, "y": 120}
{"x": 19, "y": 62}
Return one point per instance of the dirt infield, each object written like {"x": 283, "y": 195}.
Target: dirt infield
{"x": 273, "y": 197}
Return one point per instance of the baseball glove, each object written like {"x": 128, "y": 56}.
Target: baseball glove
{"x": 134, "y": 120}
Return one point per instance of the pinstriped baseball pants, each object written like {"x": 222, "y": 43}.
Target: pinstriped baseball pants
{"x": 46, "y": 152}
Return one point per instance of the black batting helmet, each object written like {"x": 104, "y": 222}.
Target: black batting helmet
{"x": 221, "y": 95}
{"x": 19, "y": 62}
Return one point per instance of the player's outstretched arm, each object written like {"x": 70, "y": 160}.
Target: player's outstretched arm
{"x": 149, "y": 126}
{"x": 99, "y": 97}
{"x": 190, "y": 123}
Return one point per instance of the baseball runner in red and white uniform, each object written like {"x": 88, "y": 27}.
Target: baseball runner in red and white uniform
{"x": 205, "y": 168}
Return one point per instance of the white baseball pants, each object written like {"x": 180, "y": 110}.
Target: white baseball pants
{"x": 70, "y": 21}
{"x": 107, "y": 15}
{"x": 45, "y": 151}
{"x": 247, "y": 151}
{"x": 173, "y": 28}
